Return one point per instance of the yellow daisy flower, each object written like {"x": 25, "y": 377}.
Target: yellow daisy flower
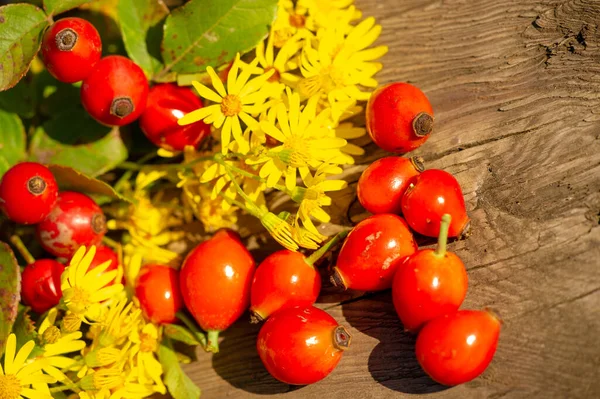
{"x": 83, "y": 289}
{"x": 242, "y": 99}
{"x": 279, "y": 63}
{"x": 20, "y": 378}
{"x": 322, "y": 13}
{"x": 122, "y": 317}
{"x": 143, "y": 356}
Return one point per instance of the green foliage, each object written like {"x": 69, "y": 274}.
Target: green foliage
{"x": 21, "y": 28}
{"x": 24, "y": 327}
{"x": 10, "y": 292}
{"x": 70, "y": 179}
{"x": 210, "y": 32}
{"x": 181, "y": 334}
{"x": 54, "y": 7}
{"x": 12, "y": 141}
{"x": 179, "y": 384}
{"x": 21, "y": 99}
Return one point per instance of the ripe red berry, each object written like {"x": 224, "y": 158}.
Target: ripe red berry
{"x": 105, "y": 254}
{"x": 215, "y": 281}
{"x": 167, "y": 103}
{"x": 301, "y": 346}
{"x": 40, "y": 284}
{"x": 456, "y": 348}
{"x": 70, "y": 49}
{"x": 157, "y": 289}
{"x": 382, "y": 185}
{"x": 429, "y": 284}
{"x": 284, "y": 279}
{"x": 399, "y": 117}
{"x": 28, "y": 192}
{"x": 372, "y": 252}
{"x": 115, "y": 92}
{"x": 75, "y": 220}
{"x": 431, "y": 195}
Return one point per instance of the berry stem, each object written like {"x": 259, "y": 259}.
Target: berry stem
{"x": 319, "y": 253}
{"x": 213, "y": 341}
{"x": 192, "y": 327}
{"x": 18, "y": 244}
{"x": 443, "y": 236}
{"x": 111, "y": 243}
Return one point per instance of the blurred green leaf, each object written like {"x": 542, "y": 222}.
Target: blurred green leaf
{"x": 211, "y": 32}
{"x": 54, "y": 7}
{"x": 21, "y": 28}
{"x": 71, "y": 179}
{"x": 10, "y": 292}
{"x": 181, "y": 334}
{"x": 179, "y": 384}
{"x": 21, "y": 99}
{"x": 92, "y": 159}
{"x": 136, "y": 17}
{"x": 12, "y": 141}
{"x": 24, "y": 327}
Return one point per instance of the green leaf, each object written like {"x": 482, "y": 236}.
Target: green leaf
{"x": 10, "y": 292}
{"x": 211, "y": 32}
{"x": 12, "y": 141}
{"x": 21, "y": 28}
{"x": 21, "y": 99}
{"x": 24, "y": 327}
{"x": 181, "y": 334}
{"x": 93, "y": 159}
{"x": 70, "y": 179}
{"x": 54, "y": 7}
{"x": 136, "y": 17}
{"x": 179, "y": 384}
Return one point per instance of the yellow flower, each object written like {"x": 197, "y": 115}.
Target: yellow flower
{"x": 143, "y": 356}
{"x": 21, "y": 378}
{"x": 281, "y": 63}
{"x": 82, "y": 289}
{"x": 242, "y": 99}
{"x": 322, "y": 13}
{"x": 121, "y": 319}
{"x": 305, "y": 143}
{"x": 280, "y": 230}
{"x": 313, "y": 198}
{"x": 210, "y": 212}
{"x": 304, "y": 238}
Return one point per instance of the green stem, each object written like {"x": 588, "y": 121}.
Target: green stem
{"x": 130, "y": 166}
{"x": 253, "y": 209}
{"x": 213, "y": 341}
{"x": 319, "y": 253}
{"x": 122, "y": 180}
{"x": 110, "y": 242}
{"x": 193, "y": 328}
{"x": 18, "y": 243}
{"x": 250, "y": 175}
{"x": 70, "y": 387}
{"x": 443, "y": 236}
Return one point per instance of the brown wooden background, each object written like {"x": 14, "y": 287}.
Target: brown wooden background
{"x": 515, "y": 85}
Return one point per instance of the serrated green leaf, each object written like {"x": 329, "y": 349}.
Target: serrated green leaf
{"x": 10, "y": 292}
{"x": 54, "y": 7}
{"x": 21, "y": 28}
{"x": 135, "y": 19}
{"x": 181, "y": 334}
{"x": 24, "y": 328}
{"x": 92, "y": 159}
{"x": 21, "y": 99}
{"x": 70, "y": 179}
{"x": 205, "y": 33}
{"x": 179, "y": 384}
{"x": 12, "y": 141}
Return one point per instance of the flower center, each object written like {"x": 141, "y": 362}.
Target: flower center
{"x": 231, "y": 105}
{"x": 51, "y": 335}
{"x": 297, "y": 20}
{"x": 10, "y": 387}
{"x": 81, "y": 297}
{"x": 148, "y": 343}
{"x": 276, "y": 75}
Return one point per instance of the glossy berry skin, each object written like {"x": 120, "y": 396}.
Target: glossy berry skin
{"x": 382, "y": 185}
{"x": 372, "y": 252}
{"x": 40, "y": 284}
{"x": 399, "y": 117}
{"x": 71, "y": 47}
{"x": 301, "y": 346}
{"x": 76, "y": 220}
{"x": 115, "y": 92}
{"x": 434, "y": 193}
{"x": 28, "y": 191}
{"x": 215, "y": 281}
{"x": 105, "y": 254}
{"x": 157, "y": 289}
{"x": 283, "y": 280}
{"x": 167, "y": 103}
{"x": 456, "y": 348}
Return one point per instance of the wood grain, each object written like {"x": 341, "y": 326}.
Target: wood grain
{"x": 516, "y": 90}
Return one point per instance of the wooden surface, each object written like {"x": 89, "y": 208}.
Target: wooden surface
{"x": 515, "y": 85}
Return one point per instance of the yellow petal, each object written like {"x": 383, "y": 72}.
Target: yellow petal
{"x": 216, "y": 81}
{"x": 199, "y": 114}
{"x": 226, "y": 135}
{"x": 205, "y": 92}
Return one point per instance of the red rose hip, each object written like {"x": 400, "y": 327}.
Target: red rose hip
{"x": 382, "y": 185}
{"x": 71, "y": 47}
{"x": 399, "y": 117}
{"x": 40, "y": 284}
{"x": 301, "y": 346}
{"x": 167, "y": 103}
{"x": 75, "y": 220}
{"x": 372, "y": 252}
{"x": 456, "y": 348}
{"x": 115, "y": 92}
{"x": 157, "y": 289}
{"x": 28, "y": 191}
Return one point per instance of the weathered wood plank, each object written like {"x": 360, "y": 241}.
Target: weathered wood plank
{"x": 515, "y": 85}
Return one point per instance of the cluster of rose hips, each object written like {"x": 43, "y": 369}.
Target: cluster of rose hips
{"x": 64, "y": 220}
{"x": 115, "y": 91}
